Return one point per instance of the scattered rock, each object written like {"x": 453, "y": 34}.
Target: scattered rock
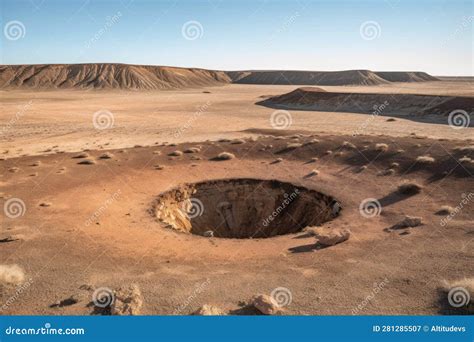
{"x": 36, "y": 163}
{"x": 208, "y": 310}
{"x": 45, "y": 204}
{"x": 208, "y": 233}
{"x": 330, "y": 236}
{"x": 237, "y": 141}
{"x": 127, "y": 301}
{"x": 14, "y": 169}
{"x": 408, "y": 222}
{"x": 266, "y": 304}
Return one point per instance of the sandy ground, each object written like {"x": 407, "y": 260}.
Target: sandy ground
{"x": 97, "y": 229}
{"x": 39, "y": 121}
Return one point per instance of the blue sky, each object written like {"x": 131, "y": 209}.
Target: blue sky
{"x": 433, "y": 36}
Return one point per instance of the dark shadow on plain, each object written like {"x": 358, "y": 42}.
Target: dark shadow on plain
{"x": 307, "y": 248}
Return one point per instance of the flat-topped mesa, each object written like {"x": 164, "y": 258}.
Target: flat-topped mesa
{"x": 149, "y": 77}
{"x": 107, "y": 76}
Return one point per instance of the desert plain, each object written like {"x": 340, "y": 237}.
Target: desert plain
{"x": 90, "y": 166}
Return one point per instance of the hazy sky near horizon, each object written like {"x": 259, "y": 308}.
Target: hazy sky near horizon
{"x": 433, "y": 36}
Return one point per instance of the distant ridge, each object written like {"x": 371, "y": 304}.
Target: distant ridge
{"x": 107, "y": 76}
{"x": 411, "y": 105}
{"x": 148, "y": 77}
{"x": 406, "y": 76}
{"x": 329, "y": 78}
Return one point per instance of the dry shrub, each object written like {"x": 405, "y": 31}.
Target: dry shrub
{"x": 381, "y": 147}
{"x": 409, "y": 188}
{"x": 87, "y": 162}
{"x": 11, "y": 274}
{"x": 175, "y": 154}
{"x": 225, "y": 156}
{"x": 445, "y": 210}
{"x": 348, "y": 145}
{"x": 425, "y": 160}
